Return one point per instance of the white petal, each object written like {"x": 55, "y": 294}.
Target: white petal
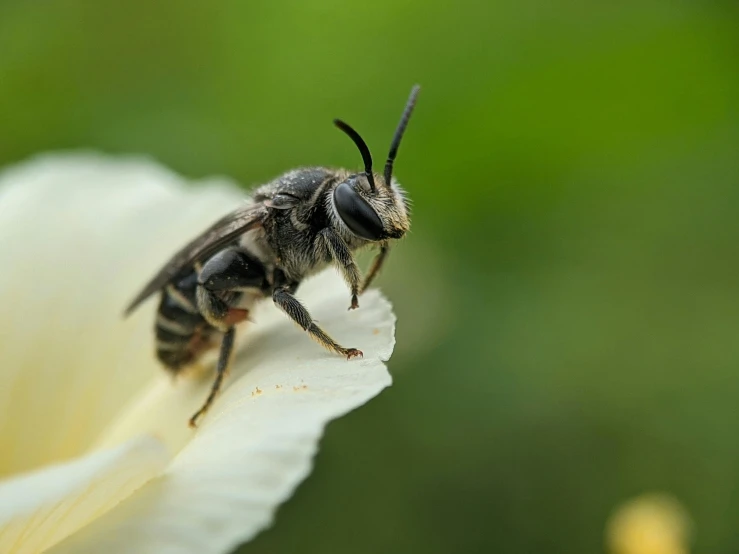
{"x": 258, "y": 441}
{"x": 41, "y": 508}
{"x": 79, "y": 234}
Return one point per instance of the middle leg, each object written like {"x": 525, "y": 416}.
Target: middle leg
{"x": 283, "y": 298}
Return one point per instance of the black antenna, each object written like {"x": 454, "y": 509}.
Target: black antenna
{"x": 399, "y": 133}
{"x": 366, "y": 156}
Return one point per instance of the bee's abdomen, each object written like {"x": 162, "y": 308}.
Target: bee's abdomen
{"x": 182, "y": 334}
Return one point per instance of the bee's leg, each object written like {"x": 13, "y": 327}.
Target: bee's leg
{"x": 375, "y": 267}
{"x": 284, "y": 300}
{"x": 224, "y": 357}
{"x": 219, "y": 284}
{"x": 343, "y": 257}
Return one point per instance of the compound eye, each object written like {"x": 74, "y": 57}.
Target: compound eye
{"x": 356, "y": 213}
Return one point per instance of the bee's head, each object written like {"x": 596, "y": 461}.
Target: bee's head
{"x": 373, "y": 206}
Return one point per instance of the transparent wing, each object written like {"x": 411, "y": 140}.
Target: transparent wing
{"x": 218, "y": 235}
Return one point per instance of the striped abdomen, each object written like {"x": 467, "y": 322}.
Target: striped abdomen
{"x": 182, "y": 334}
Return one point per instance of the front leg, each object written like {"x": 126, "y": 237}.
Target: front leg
{"x": 284, "y": 300}
{"x": 375, "y": 267}
{"x": 343, "y": 257}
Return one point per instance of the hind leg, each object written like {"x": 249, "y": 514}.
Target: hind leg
{"x": 224, "y": 357}
{"x": 220, "y": 283}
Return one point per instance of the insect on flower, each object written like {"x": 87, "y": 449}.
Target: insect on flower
{"x": 296, "y": 225}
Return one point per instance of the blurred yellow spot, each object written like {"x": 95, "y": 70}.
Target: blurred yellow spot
{"x": 649, "y": 524}
{"x": 375, "y": 331}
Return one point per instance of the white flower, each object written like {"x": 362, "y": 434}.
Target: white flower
{"x": 95, "y": 451}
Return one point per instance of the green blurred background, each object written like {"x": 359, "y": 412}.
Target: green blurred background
{"x": 568, "y": 298}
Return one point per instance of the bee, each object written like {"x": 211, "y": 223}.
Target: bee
{"x": 294, "y": 226}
